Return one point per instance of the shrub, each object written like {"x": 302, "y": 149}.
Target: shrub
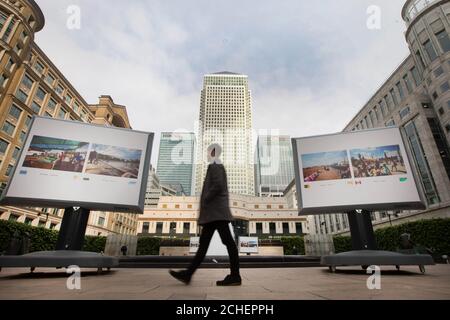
{"x": 290, "y": 242}
{"x": 148, "y": 246}
{"x": 42, "y": 239}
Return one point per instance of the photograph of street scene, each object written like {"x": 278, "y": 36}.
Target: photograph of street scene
{"x": 378, "y": 161}
{"x": 113, "y": 161}
{"x": 323, "y": 166}
{"x": 56, "y": 154}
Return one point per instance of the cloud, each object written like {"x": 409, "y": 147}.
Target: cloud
{"x": 316, "y": 62}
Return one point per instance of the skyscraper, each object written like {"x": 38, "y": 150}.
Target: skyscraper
{"x": 176, "y": 160}
{"x": 226, "y": 118}
{"x": 274, "y": 165}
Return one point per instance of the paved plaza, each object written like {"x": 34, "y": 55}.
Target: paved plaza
{"x": 271, "y": 283}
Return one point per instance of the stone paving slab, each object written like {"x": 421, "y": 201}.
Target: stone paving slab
{"x": 265, "y": 284}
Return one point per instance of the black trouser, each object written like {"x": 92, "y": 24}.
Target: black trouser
{"x": 227, "y": 239}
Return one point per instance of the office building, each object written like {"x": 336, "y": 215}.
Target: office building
{"x": 176, "y": 161}
{"x": 416, "y": 98}
{"x": 226, "y": 118}
{"x": 274, "y": 165}
{"x": 30, "y": 84}
{"x": 254, "y": 216}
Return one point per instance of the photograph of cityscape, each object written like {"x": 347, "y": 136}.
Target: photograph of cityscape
{"x": 113, "y": 161}
{"x": 56, "y": 154}
{"x": 378, "y": 161}
{"x": 323, "y": 166}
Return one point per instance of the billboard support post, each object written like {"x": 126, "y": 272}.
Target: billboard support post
{"x": 73, "y": 228}
{"x": 361, "y": 230}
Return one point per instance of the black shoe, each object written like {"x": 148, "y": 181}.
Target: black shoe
{"x": 230, "y": 281}
{"x": 182, "y": 276}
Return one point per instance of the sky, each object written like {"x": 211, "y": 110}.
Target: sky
{"x": 376, "y": 152}
{"x": 311, "y": 64}
{"x": 323, "y": 158}
{"x": 118, "y": 152}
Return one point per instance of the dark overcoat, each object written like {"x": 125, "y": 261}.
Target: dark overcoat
{"x": 214, "y": 205}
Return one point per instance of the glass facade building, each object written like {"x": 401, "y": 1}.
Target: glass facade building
{"x": 274, "y": 164}
{"x": 176, "y": 160}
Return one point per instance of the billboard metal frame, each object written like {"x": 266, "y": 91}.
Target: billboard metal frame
{"x": 34, "y": 202}
{"x": 420, "y": 205}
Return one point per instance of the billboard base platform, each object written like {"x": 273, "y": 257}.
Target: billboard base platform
{"x": 59, "y": 259}
{"x": 365, "y": 258}
{"x": 219, "y": 261}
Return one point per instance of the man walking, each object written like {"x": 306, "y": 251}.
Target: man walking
{"x": 215, "y": 215}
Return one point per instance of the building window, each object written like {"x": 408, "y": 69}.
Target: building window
{"x": 298, "y": 228}
{"x": 62, "y": 113}
{"x": 8, "y": 128}
{"x": 145, "y": 227}
{"x": 285, "y": 228}
{"x": 438, "y": 72}
{"x": 10, "y": 65}
{"x": 444, "y": 40}
{"x": 256, "y": 206}
{"x": 445, "y": 87}
{"x": 419, "y": 58}
{"x": 189, "y": 206}
{"x": 441, "y": 143}
{"x": 272, "y": 228}
{"x": 441, "y": 111}
{"x": 50, "y": 79}
{"x": 159, "y": 227}
{"x": 13, "y": 217}
{"x": 27, "y": 82}
{"x": 269, "y": 206}
{"x": 9, "y": 170}
{"x": 22, "y": 136}
{"x": 51, "y": 105}
{"x": 390, "y": 123}
{"x": 430, "y": 50}
{"x": 35, "y": 107}
{"x": 3, "y": 80}
{"x": 404, "y": 112}
{"x": 15, "y": 112}
{"x": 421, "y": 163}
{"x": 3, "y": 146}
{"x": 400, "y": 90}
{"x": 28, "y": 122}
{"x": 22, "y": 96}
{"x": 39, "y": 67}
{"x": 68, "y": 99}
{"x": 59, "y": 90}
{"x": 40, "y": 94}
{"x": 393, "y": 96}
{"x": 172, "y": 228}
{"x": 101, "y": 221}
{"x": 407, "y": 83}
{"x": 186, "y": 227}
{"x": 417, "y": 78}
{"x": 28, "y": 221}
{"x": 15, "y": 154}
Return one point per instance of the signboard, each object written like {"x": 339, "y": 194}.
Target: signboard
{"x": 68, "y": 163}
{"x": 248, "y": 244}
{"x": 366, "y": 169}
{"x": 194, "y": 242}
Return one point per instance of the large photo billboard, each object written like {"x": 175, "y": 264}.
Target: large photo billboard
{"x": 366, "y": 169}
{"x": 68, "y": 163}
